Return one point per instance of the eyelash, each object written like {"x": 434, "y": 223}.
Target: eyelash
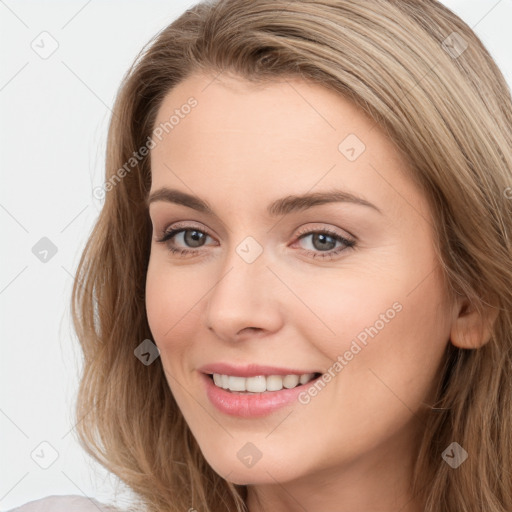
{"x": 349, "y": 243}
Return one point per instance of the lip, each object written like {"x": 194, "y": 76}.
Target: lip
{"x": 254, "y": 405}
{"x": 251, "y": 370}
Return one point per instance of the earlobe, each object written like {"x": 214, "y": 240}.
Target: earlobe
{"x": 472, "y": 329}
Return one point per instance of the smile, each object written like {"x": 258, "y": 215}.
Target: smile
{"x": 237, "y": 399}
{"x": 260, "y": 383}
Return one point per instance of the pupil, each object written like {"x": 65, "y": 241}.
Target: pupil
{"x": 193, "y": 237}
{"x": 324, "y": 239}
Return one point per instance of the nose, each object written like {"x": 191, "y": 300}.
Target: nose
{"x": 245, "y": 300}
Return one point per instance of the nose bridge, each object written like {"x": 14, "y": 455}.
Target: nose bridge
{"x": 243, "y": 295}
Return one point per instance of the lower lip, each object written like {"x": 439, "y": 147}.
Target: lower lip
{"x": 250, "y": 406}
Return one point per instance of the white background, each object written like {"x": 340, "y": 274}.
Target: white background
{"x": 54, "y": 118}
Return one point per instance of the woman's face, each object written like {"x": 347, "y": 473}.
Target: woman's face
{"x": 273, "y": 283}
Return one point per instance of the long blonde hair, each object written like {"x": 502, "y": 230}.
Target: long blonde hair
{"x": 424, "y": 77}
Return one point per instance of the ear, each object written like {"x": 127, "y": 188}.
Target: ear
{"x": 471, "y": 329}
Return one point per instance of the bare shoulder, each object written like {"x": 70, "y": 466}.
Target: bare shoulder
{"x": 67, "y": 503}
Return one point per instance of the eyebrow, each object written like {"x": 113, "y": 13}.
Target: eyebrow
{"x": 282, "y": 206}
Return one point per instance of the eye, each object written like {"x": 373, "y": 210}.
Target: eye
{"x": 190, "y": 236}
{"x": 323, "y": 243}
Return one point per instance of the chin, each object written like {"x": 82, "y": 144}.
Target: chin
{"x": 266, "y": 471}
{"x": 252, "y": 476}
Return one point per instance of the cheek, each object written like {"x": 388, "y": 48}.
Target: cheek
{"x": 386, "y": 326}
{"x": 388, "y": 346}
{"x": 399, "y": 344}
{"x": 330, "y": 307}
{"x": 172, "y": 297}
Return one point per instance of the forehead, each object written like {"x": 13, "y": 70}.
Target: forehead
{"x": 281, "y": 137}
{"x": 266, "y": 115}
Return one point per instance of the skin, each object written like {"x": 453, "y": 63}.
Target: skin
{"x": 352, "y": 447}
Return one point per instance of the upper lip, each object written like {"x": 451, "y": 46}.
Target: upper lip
{"x": 250, "y": 370}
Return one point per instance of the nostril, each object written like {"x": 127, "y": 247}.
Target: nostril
{"x": 251, "y": 329}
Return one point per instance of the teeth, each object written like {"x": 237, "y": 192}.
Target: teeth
{"x": 306, "y": 378}
{"x": 255, "y": 384}
{"x": 290, "y": 381}
{"x": 236, "y": 383}
{"x": 260, "y": 383}
{"x": 274, "y": 383}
